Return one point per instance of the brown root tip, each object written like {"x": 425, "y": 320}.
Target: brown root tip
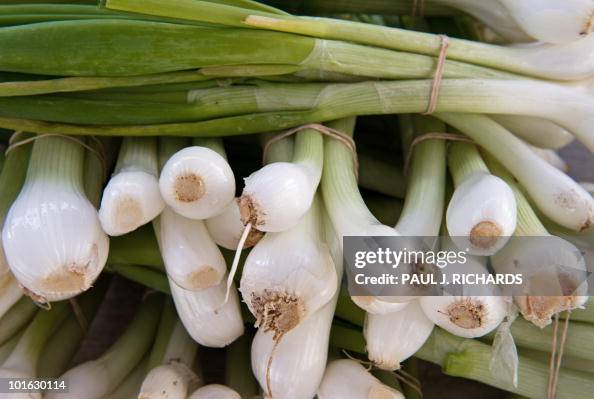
{"x": 189, "y": 187}
{"x": 539, "y": 310}
{"x": 485, "y": 234}
{"x": 249, "y": 211}
{"x": 128, "y": 213}
{"x": 73, "y": 277}
{"x": 206, "y": 277}
{"x": 276, "y": 311}
{"x": 466, "y": 313}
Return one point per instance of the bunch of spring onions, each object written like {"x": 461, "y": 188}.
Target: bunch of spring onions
{"x": 217, "y": 152}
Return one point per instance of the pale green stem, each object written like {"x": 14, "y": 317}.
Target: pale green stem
{"x": 527, "y": 221}
{"x": 169, "y": 146}
{"x": 16, "y": 318}
{"x": 138, "y": 154}
{"x": 464, "y": 160}
{"x": 58, "y": 160}
{"x": 343, "y": 201}
{"x": 132, "y": 345}
{"x": 213, "y": 143}
{"x": 424, "y": 199}
{"x": 382, "y": 177}
{"x": 25, "y": 355}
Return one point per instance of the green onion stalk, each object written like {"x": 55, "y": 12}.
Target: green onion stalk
{"x": 421, "y": 217}
{"x": 381, "y": 176}
{"x": 526, "y": 336}
{"x": 24, "y": 358}
{"x": 170, "y": 363}
{"x": 63, "y": 344}
{"x": 386, "y": 209}
{"x": 12, "y": 177}
{"x": 130, "y": 387}
{"x": 385, "y": 7}
{"x": 344, "y": 204}
{"x": 7, "y": 347}
{"x": 97, "y": 378}
{"x": 567, "y": 107}
{"x": 553, "y": 62}
{"x": 164, "y": 47}
{"x": 17, "y": 317}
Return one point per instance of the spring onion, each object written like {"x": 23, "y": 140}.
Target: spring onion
{"x": 292, "y": 367}
{"x": 289, "y": 275}
{"x": 197, "y": 182}
{"x": 192, "y": 259}
{"x": 174, "y": 352}
{"x": 278, "y": 195}
{"x": 53, "y": 212}
{"x": 464, "y": 314}
{"x": 209, "y": 320}
{"x": 132, "y": 197}
{"x": 481, "y": 215}
{"x": 540, "y": 261}
{"x": 346, "y": 208}
{"x": 536, "y": 131}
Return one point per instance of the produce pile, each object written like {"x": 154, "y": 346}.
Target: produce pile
{"x": 218, "y": 151}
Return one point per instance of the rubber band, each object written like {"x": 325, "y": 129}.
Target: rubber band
{"x": 325, "y": 130}
{"x": 99, "y": 153}
{"x": 432, "y": 136}
{"x": 438, "y": 75}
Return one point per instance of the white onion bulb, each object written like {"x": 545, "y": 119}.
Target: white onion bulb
{"x": 209, "y": 320}
{"x": 348, "y": 379}
{"x": 394, "y": 337}
{"x": 53, "y": 240}
{"x": 197, "y": 182}
{"x": 288, "y": 276}
{"x": 481, "y": 215}
{"x": 214, "y": 391}
{"x": 549, "y": 265}
{"x": 192, "y": 259}
{"x": 132, "y": 197}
